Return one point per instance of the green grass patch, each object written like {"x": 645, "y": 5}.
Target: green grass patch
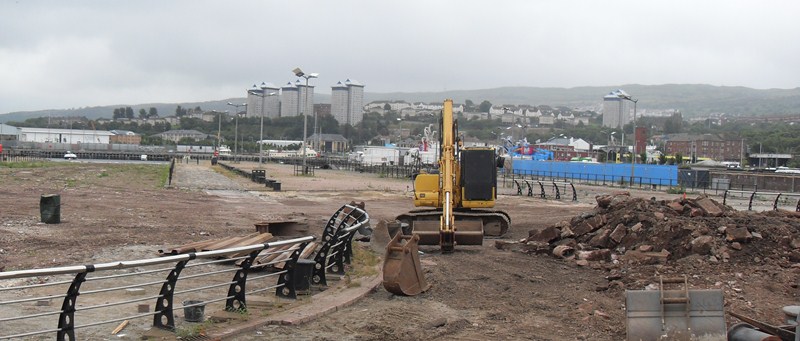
{"x": 676, "y": 190}
{"x": 224, "y": 171}
{"x": 27, "y": 164}
{"x": 364, "y": 263}
{"x": 163, "y": 175}
{"x": 193, "y": 331}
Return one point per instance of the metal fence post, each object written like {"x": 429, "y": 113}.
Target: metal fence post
{"x": 165, "y": 301}
{"x": 236, "y": 299}
{"x": 66, "y": 320}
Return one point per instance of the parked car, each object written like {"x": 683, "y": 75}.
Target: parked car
{"x": 70, "y": 156}
{"x": 143, "y": 157}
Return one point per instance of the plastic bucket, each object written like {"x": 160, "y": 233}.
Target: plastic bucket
{"x": 50, "y": 208}
{"x": 195, "y": 312}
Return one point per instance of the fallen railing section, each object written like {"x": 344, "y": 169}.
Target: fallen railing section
{"x": 96, "y": 293}
{"x": 752, "y": 195}
{"x": 256, "y": 175}
{"x": 522, "y": 183}
{"x": 337, "y": 240}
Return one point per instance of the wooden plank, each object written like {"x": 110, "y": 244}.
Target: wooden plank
{"x": 263, "y": 259}
{"x": 226, "y": 243}
{"x": 261, "y": 238}
{"x": 191, "y": 247}
{"x": 120, "y": 327}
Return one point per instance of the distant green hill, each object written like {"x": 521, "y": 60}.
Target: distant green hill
{"x": 164, "y": 109}
{"x": 690, "y": 99}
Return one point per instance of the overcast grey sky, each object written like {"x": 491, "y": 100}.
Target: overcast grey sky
{"x": 64, "y": 54}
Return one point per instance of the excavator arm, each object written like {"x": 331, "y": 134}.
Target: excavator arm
{"x": 448, "y": 177}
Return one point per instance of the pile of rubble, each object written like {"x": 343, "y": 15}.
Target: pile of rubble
{"x": 636, "y": 230}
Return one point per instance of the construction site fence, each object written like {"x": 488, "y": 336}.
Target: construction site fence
{"x": 555, "y": 188}
{"x": 7, "y": 156}
{"x": 586, "y": 178}
{"x": 389, "y": 170}
{"x": 88, "y": 298}
{"x": 754, "y": 198}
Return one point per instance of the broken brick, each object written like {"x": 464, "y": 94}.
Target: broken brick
{"x": 589, "y": 225}
{"x": 709, "y": 207}
{"x": 619, "y": 232}
{"x": 738, "y": 234}
{"x": 702, "y": 245}
{"x": 547, "y": 235}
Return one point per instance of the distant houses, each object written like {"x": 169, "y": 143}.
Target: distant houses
{"x": 177, "y": 135}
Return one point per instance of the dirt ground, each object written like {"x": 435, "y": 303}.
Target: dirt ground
{"x": 478, "y": 292}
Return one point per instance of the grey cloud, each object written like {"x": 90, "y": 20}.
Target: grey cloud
{"x": 56, "y": 54}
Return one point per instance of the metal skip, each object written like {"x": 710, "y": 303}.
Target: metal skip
{"x": 402, "y": 272}
{"x": 680, "y": 314}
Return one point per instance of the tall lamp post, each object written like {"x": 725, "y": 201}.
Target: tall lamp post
{"x": 263, "y": 96}
{"x": 236, "y": 131}
{"x": 300, "y": 73}
{"x": 625, "y": 96}
{"x": 609, "y": 143}
{"x": 400, "y": 121}
{"x": 219, "y": 128}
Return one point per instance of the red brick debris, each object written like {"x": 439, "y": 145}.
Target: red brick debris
{"x": 640, "y": 231}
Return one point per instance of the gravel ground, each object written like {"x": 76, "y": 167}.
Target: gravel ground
{"x": 478, "y": 292}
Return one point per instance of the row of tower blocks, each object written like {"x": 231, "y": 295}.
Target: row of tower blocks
{"x": 294, "y": 99}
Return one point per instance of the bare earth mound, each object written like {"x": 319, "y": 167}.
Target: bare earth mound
{"x": 479, "y": 292}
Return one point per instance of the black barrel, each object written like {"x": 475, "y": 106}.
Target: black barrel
{"x": 304, "y": 269}
{"x": 50, "y": 208}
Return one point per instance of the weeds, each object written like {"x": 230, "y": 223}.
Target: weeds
{"x": 676, "y": 190}
{"x": 364, "y": 262}
{"x": 163, "y": 175}
{"x": 26, "y": 164}
{"x": 193, "y": 330}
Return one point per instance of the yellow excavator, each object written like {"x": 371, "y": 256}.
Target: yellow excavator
{"x": 458, "y": 197}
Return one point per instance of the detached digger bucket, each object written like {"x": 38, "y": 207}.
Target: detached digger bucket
{"x": 680, "y": 314}
{"x": 402, "y": 273}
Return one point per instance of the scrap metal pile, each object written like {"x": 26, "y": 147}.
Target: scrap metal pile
{"x": 635, "y": 230}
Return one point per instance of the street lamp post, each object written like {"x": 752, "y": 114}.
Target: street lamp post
{"x": 236, "y": 130}
{"x": 263, "y": 96}
{"x": 608, "y": 150}
{"x": 627, "y": 97}
{"x": 400, "y": 121}
{"x": 300, "y": 73}
{"x": 219, "y": 127}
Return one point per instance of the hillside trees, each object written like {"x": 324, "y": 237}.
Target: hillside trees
{"x": 485, "y": 106}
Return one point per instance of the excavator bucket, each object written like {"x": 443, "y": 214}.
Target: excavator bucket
{"x": 680, "y": 314}
{"x": 402, "y": 273}
{"x": 468, "y": 232}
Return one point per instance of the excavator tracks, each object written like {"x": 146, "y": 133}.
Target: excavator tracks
{"x": 471, "y": 225}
